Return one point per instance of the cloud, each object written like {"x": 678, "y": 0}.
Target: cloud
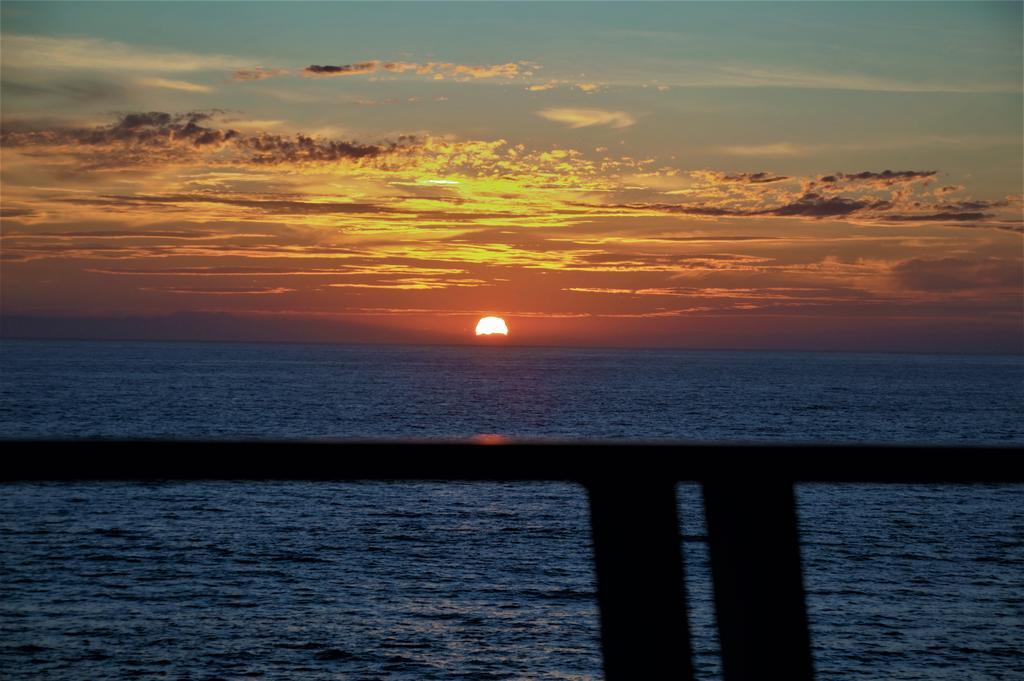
{"x": 867, "y": 208}
{"x": 205, "y": 140}
{"x": 817, "y": 206}
{"x": 294, "y": 206}
{"x": 235, "y": 291}
{"x": 77, "y": 90}
{"x": 344, "y": 70}
{"x": 552, "y": 84}
{"x": 956, "y": 274}
{"x": 148, "y": 137}
{"x": 751, "y": 178}
{"x": 271, "y": 148}
{"x": 402, "y": 67}
{"x": 258, "y": 74}
{"x": 16, "y": 213}
{"x": 42, "y": 52}
{"x": 208, "y": 140}
{"x": 973, "y": 205}
{"x": 152, "y": 128}
{"x": 886, "y": 178}
{"x": 509, "y": 70}
{"x": 705, "y": 74}
{"x": 438, "y": 69}
{"x": 584, "y": 118}
{"x": 777, "y": 149}
{"x": 116, "y": 234}
{"x": 945, "y": 216}
{"x": 268, "y": 206}
{"x": 182, "y": 85}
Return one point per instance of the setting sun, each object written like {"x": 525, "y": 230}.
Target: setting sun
{"x": 489, "y": 326}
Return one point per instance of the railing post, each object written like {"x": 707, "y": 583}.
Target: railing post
{"x": 759, "y": 595}
{"x": 639, "y": 564}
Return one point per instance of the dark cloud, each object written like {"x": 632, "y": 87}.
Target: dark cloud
{"x": 268, "y": 148}
{"x": 813, "y": 205}
{"x": 754, "y": 178}
{"x": 890, "y": 176}
{"x": 343, "y": 70}
{"x": 946, "y": 216}
{"x": 16, "y": 212}
{"x": 146, "y": 137}
{"x": 886, "y": 178}
{"x": 809, "y": 205}
{"x": 508, "y": 70}
{"x": 152, "y": 129}
{"x": 270, "y": 206}
{"x": 956, "y": 274}
{"x": 280, "y": 206}
{"x": 973, "y": 205}
{"x": 817, "y": 206}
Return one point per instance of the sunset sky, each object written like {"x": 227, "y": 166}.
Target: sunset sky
{"x": 806, "y": 175}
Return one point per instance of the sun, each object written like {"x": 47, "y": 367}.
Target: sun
{"x": 489, "y": 326}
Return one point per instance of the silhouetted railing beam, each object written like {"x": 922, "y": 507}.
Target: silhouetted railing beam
{"x": 755, "y": 566}
{"x": 638, "y": 562}
{"x": 570, "y": 462}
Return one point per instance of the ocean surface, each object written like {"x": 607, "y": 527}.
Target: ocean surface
{"x": 233, "y": 390}
{"x": 232, "y": 580}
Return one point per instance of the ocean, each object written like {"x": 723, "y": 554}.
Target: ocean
{"x": 429, "y": 580}
{"x": 59, "y": 389}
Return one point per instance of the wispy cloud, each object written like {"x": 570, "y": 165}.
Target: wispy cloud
{"x": 182, "y": 85}
{"x": 46, "y": 53}
{"x": 258, "y": 74}
{"x": 775, "y": 149}
{"x": 759, "y": 76}
{"x": 790, "y": 149}
{"x": 740, "y": 178}
{"x": 585, "y": 118}
{"x": 552, "y": 84}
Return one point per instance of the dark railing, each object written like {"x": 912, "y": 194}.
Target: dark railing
{"x": 748, "y": 498}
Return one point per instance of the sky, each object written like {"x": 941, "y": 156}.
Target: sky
{"x": 832, "y": 176}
